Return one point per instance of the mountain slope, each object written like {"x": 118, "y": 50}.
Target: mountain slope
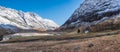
{"x": 95, "y": 15}
{"x": 24, "y": 20}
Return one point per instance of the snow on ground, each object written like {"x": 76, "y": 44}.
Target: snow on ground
{"x": 7, "y": 37}
{"x": 31, "y": 34}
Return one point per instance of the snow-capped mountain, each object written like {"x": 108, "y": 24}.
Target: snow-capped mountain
{"x": 24, "y": 20}
{"x": 92, "y": 13}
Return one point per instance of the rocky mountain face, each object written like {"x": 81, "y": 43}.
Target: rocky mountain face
{"x": 13, "y": 20}
{"x": 95, "y": 15}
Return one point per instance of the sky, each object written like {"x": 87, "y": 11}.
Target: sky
{"x": 56, "y": 10}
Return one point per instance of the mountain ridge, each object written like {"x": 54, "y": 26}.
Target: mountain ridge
{"x": 92, "y": 13}
{"x": 24, "y": 20}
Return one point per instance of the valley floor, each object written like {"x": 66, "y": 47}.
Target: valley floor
{"x": 104, "y": 42}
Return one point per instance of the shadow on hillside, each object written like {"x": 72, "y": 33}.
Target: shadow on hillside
{"x": 6, "y": 29}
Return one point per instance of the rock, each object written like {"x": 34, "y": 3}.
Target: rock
{"x": 90, "y": 45}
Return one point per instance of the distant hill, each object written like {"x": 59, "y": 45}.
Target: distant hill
{"x": 13, "y": 20}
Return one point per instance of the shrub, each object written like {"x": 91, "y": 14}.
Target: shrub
{"x": 78, "y": 31}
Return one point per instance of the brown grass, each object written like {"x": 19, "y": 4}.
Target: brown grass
{"x": 92, "y": 42}
{"x": 111, "y": 24}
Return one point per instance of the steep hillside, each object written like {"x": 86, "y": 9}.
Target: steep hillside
{"x": 95, "y": 15}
